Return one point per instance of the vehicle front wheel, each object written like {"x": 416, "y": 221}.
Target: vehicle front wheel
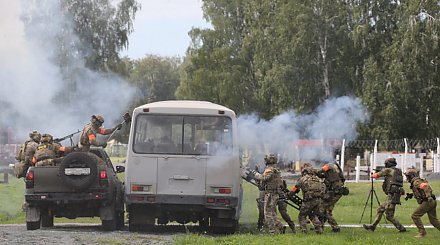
{"x": 33, "y": 225}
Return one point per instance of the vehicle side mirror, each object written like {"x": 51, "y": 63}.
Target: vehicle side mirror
{"x": 120, "y": 169}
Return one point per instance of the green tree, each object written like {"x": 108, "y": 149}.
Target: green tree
{"x": 156, "y": 78}
{"x": 102, "y": 28}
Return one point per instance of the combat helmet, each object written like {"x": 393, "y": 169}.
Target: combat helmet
{"x": 46, "y": 138}
{"x": 270, "y": 159}
{"x": 411, "y": 173}
{"x": 307, "y": 170}
{"x": 35, "y": 136}
{"x": 97, "y": 120}
{"x": 390, "y": 162}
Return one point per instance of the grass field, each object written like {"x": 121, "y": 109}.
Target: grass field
{"x": 348, "y": 211}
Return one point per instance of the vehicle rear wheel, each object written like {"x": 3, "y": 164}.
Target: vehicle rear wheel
{"x": 109, "y": 225}
{"x": 224, "y": 226}
{"x": 46, "y": 219}
{"x": 120, "y": 220}
{"x": 33, "y": 225}
{"x": 79, "y": 160}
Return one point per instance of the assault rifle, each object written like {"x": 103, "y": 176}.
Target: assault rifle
{"x": 57, "y": 140}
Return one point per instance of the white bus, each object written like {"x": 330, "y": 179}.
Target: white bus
{"x": 183, "y": 166}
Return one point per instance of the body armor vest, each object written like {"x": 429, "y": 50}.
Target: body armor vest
{"x": 275, "y": 182}
{"x": 313, "y": 187}
{"x": 395, "y": 179}
{"x": 45, "y": 151}
{"x": 84, "y": 139}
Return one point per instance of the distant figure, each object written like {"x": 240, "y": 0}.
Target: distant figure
{"x": 88, "y": 136}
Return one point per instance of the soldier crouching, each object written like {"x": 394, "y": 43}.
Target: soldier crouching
{"x": 312, "y": 189}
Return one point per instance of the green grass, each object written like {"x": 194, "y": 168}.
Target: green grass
{"x": 348, "y": 211}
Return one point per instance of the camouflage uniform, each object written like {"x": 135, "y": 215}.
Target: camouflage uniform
{"x": 334, "y": 182}
{"x": 282, "y": 208}
{"x": 49, "y": 153}
{"x": 312, "y": 189}
{"x": 422, "y": 192}
{"x": 26, "y": 153}
{"x": 392, "y": 186}
{"x": 272, "y": 183}
{"x": 88, "y": 135}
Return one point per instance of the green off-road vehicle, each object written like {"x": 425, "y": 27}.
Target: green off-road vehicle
{"x": 84, "y": 184}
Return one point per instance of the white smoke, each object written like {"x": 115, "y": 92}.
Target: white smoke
{"x": 335, "y": 119}
{"x": 33, "y": 88}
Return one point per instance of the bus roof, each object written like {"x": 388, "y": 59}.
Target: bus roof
{"x": 185, "y": 107}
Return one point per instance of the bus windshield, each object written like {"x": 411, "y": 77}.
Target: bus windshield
{"x": 182, "y": 135}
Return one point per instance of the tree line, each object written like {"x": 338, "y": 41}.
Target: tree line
{"x": 270, "y": 56}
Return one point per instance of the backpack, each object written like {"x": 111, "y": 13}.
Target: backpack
{"x": 20, "y": 153}
{"x": 313, "y": 187}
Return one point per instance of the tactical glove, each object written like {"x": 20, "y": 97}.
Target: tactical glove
{"x": 409, "y": 196}
{"x": 253, "y": 172}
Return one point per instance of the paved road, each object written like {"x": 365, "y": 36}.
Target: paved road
{"x": 83, "y": 234}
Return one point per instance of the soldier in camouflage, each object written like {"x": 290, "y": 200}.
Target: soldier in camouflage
{"x": 312, "y": 189}
{"x": 49, "y": 153}
{"x": 282, "y": 208}
{"x": 393, "y": 188}
{"x": 422, "y": 192}
{"x": 88, "y": 135}
{"x": 334, "y": 182}
{"x": 25, "y": 154}
{"x": 272, "y": 183}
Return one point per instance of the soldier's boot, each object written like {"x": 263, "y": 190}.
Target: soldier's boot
{"x": 401, "y": 228}
{"x": 336, "y": 229}
{"x": 422, "y": 233}
{"x": 369, "y": 227}
{"x": 283, "y": 230}
{"x": 292, "y": 227}
{"x": 260, "y": 225}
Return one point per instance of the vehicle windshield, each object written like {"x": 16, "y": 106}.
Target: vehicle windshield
{"x": 182, "y": 135}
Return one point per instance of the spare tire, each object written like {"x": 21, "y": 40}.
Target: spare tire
{"x": 79, "y": 170}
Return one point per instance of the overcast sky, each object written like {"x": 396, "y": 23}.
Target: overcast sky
{"x": 161, "y": 27}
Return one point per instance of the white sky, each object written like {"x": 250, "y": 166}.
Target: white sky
{"x": 161, "y": 27}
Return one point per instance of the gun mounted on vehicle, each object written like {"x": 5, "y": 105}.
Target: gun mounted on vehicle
{"x": 57, "y": 140}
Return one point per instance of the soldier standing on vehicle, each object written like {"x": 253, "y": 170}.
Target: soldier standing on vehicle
{"x": 88, "y": 135}
{"x": 393, "y": 188}
{"x": 49, "y": 153}
{"x": 334, "y": 182}
{"x": 422, "y": 192}
{"x": 25, "y": 154}
{"x": 271, "y": 181}
{"x": 312, "y": 189}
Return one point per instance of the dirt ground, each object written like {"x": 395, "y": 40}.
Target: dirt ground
{"x": 84, "y": 234}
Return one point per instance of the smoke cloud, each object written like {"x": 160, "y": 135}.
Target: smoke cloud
{"x": 34, "y": 89}
{"x": 335, "y": 119}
